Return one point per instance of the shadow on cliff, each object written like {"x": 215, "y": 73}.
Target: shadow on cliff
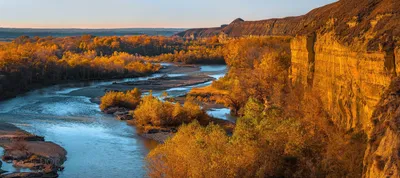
{"x": 382, "y": 156}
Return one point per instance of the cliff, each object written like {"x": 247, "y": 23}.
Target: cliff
{"x": 383, "y": 152}
{"x": 348, "y": 52}
{"x": 350, "y": 81}
{"x": 373, "y": 21}
{"x": 358, "y": 89}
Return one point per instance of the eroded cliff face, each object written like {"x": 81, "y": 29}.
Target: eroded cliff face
{"x": 383, "y": 152}
{"x": 351, "y": 82}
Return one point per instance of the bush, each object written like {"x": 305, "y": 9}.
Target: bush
{"x": 195, "y": 151}
{"x": 154, "y": 112}
{"x": 129, "y": 100}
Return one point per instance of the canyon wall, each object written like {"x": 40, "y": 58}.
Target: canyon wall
{"x": 351, "y": 82}
{"x": 382, "y": 156}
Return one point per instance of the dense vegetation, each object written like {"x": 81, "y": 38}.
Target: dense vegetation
{"x": 283, "y": 131}
{"x": 204, "y": 51}
{"x": 29, "y": 62}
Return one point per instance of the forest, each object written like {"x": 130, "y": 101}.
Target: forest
{"x": 27, "y": 63}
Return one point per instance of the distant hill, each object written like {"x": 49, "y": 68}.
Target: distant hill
{"x": 8, "y": 34}
{"x": 348, "y": 19}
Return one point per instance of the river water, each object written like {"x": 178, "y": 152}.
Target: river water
{"x": 97, "y": 144}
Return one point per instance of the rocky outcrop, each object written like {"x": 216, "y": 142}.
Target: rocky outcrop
{"x": 383, "y": 151}
{"x": 350, "y": 80}
{"x": 30, "y": 175}
{"x": 30, "y": 151}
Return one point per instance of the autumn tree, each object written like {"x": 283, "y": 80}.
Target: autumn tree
{"x": 129, "y": 99}
{"x": 152, "y": 112}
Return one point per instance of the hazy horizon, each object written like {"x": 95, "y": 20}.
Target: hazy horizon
{"x": 124, "y": 14}
{"x": 77, "y": 28}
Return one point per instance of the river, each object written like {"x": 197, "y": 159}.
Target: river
{"x": 97, "y": 144}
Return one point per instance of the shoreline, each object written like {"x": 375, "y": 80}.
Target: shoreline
{"x": 176, "y": 80}
{"x": 37, "y": 86}
{"x": 26, "y": 150}
{"x": 165, "y": 82}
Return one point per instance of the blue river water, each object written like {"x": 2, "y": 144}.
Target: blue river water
{"x": 97, "y": 144}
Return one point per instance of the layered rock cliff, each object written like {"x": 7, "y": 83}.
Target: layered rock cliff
{"x": 350, "y": 81}
{"x": 349, "y": 52}
{"x": 354, "y": 85}
{"x": 383, "y": 152}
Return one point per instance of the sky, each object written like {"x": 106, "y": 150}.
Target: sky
{"x": 145, "y": 13}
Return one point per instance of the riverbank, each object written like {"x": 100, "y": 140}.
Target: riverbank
{"x": 96, "y": 142}
{"x": 169, "y": 76}
{"x": 26, "y": 150}
{"x": 173, "y": 78}
{"x": 36, "y": 86}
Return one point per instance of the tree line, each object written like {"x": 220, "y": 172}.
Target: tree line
{"x": 27, "y": 62}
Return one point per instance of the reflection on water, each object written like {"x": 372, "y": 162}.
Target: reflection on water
{"x": 217, "y": 76}
{"x": 212, "y": 68}
{"x": 97, "y": 144}
{"x": 222, "y": 113}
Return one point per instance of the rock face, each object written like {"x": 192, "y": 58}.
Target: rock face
{"x": 347, "y": 51}
{"x": 36, "y": 155}
{"x": 383, "y": 151}
{"x": 351, "y": 81}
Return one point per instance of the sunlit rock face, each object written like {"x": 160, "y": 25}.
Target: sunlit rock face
{"x": 300, "y": 65}
{"x": 383, "y": 152}
{"x": 350, "y": 80}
